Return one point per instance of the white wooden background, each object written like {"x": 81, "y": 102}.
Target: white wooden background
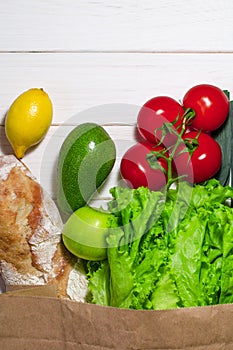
{"x": 99, "y": 60}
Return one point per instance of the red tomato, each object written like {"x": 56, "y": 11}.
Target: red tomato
{"x": 152, "y": 116}
{"x": 205, "y": 160}
{"x": 210, "y": 104}
{"x": 136, "y": 171}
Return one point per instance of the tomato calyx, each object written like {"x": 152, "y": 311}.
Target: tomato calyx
{"x": 168, "y": 154}
{"x": 171, "y": 128}
{"x": 191, "y": 144}
{"x": 153, "y": 156}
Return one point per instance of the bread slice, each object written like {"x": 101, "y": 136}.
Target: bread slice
{"x": 31, "y": 249}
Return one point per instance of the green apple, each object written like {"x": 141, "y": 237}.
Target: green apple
{"x": 85, "y": 231}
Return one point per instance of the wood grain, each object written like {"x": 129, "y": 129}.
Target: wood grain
{"x": 100, "y": 60}
{"x": 107, "y": 25}
{"x": 77, "y": 82}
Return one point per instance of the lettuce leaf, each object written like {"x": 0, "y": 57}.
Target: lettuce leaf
{"x": 98, "y": 274}
{"x": 167, "y": 250}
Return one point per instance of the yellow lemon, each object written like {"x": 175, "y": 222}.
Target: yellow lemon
{"x": 28, "y": 120}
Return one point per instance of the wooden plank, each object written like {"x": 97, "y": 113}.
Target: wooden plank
{"x": 107, "y": 25}
{"x": 78, "y": 82}
{"x": 104, "y": 88}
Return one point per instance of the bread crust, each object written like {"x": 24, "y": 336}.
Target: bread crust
{"x": 31, "y": 248}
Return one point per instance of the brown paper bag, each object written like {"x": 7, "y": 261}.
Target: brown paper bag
{"x": 35, "y": 322}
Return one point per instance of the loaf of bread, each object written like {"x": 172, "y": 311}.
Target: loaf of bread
{"x": 31, "y": 248}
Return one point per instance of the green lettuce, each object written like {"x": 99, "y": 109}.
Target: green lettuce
{"x": 167, "y": 250}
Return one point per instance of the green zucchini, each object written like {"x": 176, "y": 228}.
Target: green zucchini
{"x": 224, "y": 137}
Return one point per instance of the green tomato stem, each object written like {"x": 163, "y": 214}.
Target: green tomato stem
{"x": 187, "y": 118}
